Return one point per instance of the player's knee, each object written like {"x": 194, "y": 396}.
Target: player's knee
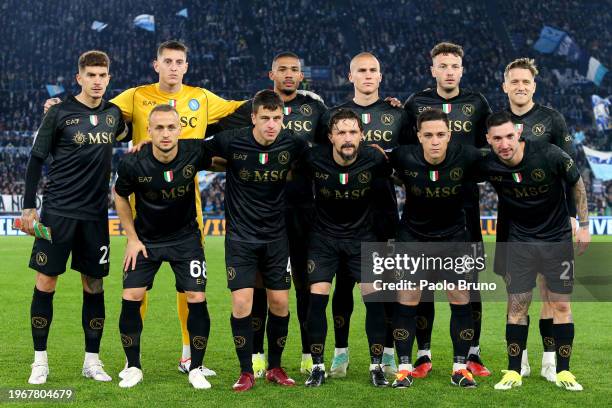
{"x": 134, "y": 294}
{"x": 278, "y": 302}
{"x": 320, "y": 288}
{"x": 45, "y": 283}
{"x": 195, "y": 297}
{"x": 92, "y": 285}
{"x": 561, "y": 308}
{"x": 242, "y": 304}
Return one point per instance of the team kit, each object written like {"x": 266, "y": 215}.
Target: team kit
{"x": 306, "y": 185}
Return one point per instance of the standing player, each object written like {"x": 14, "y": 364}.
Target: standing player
{"x": 344, "y": 177}
{"x": 535, "y": 122}
{"x": 302, "y": 114}
{"x": 387, "y": 127}
{"x": 530, "y": 178}
{"x": 197, "y": 107}
{"x": 78, "y": 134}
{"x": 434, "y": 175}
{"x": 258, "y": 160}
{"x": 161, "y": 177}
{"x": 467, "y": 111}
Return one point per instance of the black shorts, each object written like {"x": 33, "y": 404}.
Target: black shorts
{"x": 328, "y": 256}
{"x": 298, "y": 221}
{"x": 186, "y": 260}
{"x": 87, "y": 240}
{"x": 553, "y": 260}
{"x": 453, "y": 247}
{"x": 244, "y": 259}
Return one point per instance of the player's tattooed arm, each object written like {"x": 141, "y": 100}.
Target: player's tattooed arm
{"x": 583, "y": 237}
{"x": 93, "y": 285}
{"x": 518, "y": 307}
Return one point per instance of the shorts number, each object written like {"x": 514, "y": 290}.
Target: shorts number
{"x": 566, "y": 274}
{"x": 104, "y": 257}
{"x": 289, "y": 266}
{"x": 197, "y": 268}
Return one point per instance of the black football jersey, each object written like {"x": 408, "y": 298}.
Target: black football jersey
{"x": 255, "y": 182}
{"x": 434, "y": 205}
{"x": 532, "y": 193}
{"x": 344, "y": 195}
{"x": 79, "y": 141}
{"x": 164, "y": 192}
{"x": 467, "y": 113}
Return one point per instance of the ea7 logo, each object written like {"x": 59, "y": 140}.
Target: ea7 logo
{"x": 144, "y": 179}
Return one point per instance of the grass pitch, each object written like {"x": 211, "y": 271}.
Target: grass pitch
{"x": 161, "y": 343}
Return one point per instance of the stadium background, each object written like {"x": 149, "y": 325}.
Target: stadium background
{"x": 231, "y": 46}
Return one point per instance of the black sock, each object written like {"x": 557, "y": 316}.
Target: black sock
{"x": 342, "y": 309}
{"x": 477, "y": 322}
{"x": 516, "y": 340}
{"x": 302, "y": 297}
{"x": 389, "y": 313}
{"x": 375, "y": 330}
{"x": 317, "y": 326}
{"x": 426, "y": 313}
{"x": 41, "y": 315}
{"x": 461, "y": 331}
{"x": 198, "y": 325}
{"x": 92, "y": 317}
{"x": 242, "y": 330}
{"x": 277, "y": 329}
{"x": 130, "y": 327}
{"x": 548, "y": 337}
{"x": 404, "y": 331}
{"x": 258, "y": 314}
{"x": 564, "y": 338}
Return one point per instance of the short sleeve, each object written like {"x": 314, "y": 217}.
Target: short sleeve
{"x": 561, "y": 136}
{"x": 125, "y": 102}
{"x": 124, "y": 185}
{"x": 218, "y": 145}
{"x": 218, "y": 107}
{"x": 411, "y": 115}
{"x": 45, "y": 136}
{"x": 564, "y": 164}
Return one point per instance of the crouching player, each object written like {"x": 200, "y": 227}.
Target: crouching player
{"x": 161, "y": 176}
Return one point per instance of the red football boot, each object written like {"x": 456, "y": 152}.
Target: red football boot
{"x": 245, "y": 382}
{"x": 279, "y": 376}
{"x": 422, "y": 367}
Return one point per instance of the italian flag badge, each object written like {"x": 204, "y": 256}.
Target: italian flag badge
{"x": 343, "y": 178}
{"x": 366, "y": 118}
{"x": 447, "y": 107}
{"x": 172, "y": 102}
{"x": 286, "y": 110}
{"x": 93, "y": 119}
{"x": 434, "y": 175}
{"x": 517, "y": 177}
{"x": 263, "y": 158}
{"x": 168, "y": 176}
{"x": 518, "y": 127}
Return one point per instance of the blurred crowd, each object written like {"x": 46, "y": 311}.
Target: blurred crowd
{"x": 232, "y": 43}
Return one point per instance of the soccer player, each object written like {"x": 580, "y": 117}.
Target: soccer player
{"x": 78, "y": 134}
{"x": 344, "y": 176}
{"x": 197, "y": 107}
{"x": 162, "y": 178}
{"x": 434, "y": 174}
{"x": 467, "y": 112}
{"x": 302, "y": 114}
{"x": 387, "y": 127}
{"x": 258, "y": 160}
{"x": 535, "y": 122}
{"x": 530, "y": 177}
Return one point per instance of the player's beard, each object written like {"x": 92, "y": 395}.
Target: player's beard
{"x": 288, "y": 92}
{"x": 348, "y": 157}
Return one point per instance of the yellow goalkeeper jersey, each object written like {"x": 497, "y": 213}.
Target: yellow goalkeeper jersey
{"x": 197, "y": 107}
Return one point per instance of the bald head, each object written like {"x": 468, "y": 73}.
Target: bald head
{"x": 364, "y": 56}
